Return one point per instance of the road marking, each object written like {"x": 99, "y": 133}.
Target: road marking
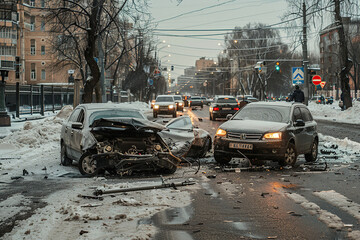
{"x": 340, "y": 201}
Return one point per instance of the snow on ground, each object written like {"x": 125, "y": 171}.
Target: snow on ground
{"x": 119, "y": 216}
{"x": 333, "y": 112}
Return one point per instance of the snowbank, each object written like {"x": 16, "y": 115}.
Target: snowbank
{"x": 333, "y": 112}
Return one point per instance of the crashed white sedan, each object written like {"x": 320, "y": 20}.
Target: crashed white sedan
{"x": 121, "y": 140}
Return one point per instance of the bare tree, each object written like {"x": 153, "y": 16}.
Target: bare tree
{"x": 85, "y": 25}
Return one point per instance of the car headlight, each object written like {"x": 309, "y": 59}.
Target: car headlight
{"x": 180, "y": 104}
{"x": 156, "y": 106}
{"x": 153, "y": 103}
{"x": 274, "y": 135}
{"x": 220, "y": 133}
{"x": 171, "y": 106}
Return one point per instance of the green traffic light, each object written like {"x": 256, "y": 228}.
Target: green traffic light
{"x": 277, "y": 67}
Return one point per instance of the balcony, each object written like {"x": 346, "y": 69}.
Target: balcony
{"x": 7, "y": 65}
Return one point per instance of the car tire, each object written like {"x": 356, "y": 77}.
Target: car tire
{"x": 170, "y": 170}
{"x": 290, "y": 156}
{"x": 222, "y": 159}
{"x": 87, "y": 166}
{"x": 174, "y": 114}
{"x": 155, "y": 115}
{"x": 202, "y": 106}
{"x": 64, "y": 160}
{"x": 312, "y": 155}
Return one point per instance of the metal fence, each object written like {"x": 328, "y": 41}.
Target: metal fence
{"x": 31, "y": 99}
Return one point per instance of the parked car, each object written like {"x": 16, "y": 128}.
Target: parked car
{"x": 277, "y": 131}
{"x": 329, "y": 100}
{"x": 206, "y": 101}
{"x": 110, "y": 137}
{"x": 195, "y": 101}
{"x": 222, "y": 106}
{"x": 164, "y": 104}
{"x": 179, "y": 103}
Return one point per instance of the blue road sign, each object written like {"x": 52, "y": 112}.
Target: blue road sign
{"x": 150, "y": 81}
{"x": 298, "y": 75}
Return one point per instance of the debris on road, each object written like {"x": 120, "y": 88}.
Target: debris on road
{"x": 315, "y": 166}
{"x": 91, "y": 197}
{"x": 264, "y": 194}
{"x": 16, "y": 177}
{"x": 166, "y": 185}
{"x": 25, "y": 172}
{"x": 83, "y": 232}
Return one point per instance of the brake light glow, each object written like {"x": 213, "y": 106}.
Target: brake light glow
{"x": 216, "y": 109}
{"x": 236, "y": 108}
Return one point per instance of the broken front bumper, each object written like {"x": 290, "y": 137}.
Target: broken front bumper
{"x": 121, "y": 161}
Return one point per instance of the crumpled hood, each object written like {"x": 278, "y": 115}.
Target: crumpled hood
{"x": 252, "y": 126}
{"x": 133, "y": 123}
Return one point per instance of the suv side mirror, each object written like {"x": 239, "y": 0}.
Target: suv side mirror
{"x": 77, "y": 125}
{"x": 299, "y": 123}
{"x": 228, "y": 116}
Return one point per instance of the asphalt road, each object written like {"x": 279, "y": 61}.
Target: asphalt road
{"x": 255, "y": 205}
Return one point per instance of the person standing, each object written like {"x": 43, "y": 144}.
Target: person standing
{"x": 298, "y": 95}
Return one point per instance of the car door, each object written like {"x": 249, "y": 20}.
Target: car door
{"x": 76, "y": 135}
{"x": 299, "y": 131}
{"x": 310, "y": 128}
{"x": 68, "y": 132}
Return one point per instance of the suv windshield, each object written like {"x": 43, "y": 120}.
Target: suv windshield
{"x": 165, "y": 99}
{"x": 226, "y": 100}
{"x": 114, "y": 113}
{"x": 264, "y": 113}
{"x": 177, "y": 98}
{"x": 195, "y": 98}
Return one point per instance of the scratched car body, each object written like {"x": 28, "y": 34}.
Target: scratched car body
{"x": 121, "y": 140}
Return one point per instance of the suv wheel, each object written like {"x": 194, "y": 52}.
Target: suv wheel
{"x": 290, "y": 156}
{"x": 87, "y": 166}
{"x": 222, "y": 158}
{"x": 312, "y": 155}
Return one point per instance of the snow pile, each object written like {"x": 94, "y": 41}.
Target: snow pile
{"x": 35, "y": 135}
{"x": 13, "y": 206}
{"x": 141, "y": 106}
{"x": 333, "y": 112}
{"x": 344, "y": 144}
{"x": 119, "y": 216}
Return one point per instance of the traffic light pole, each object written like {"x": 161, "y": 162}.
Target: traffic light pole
{"x": 305, "y": 57}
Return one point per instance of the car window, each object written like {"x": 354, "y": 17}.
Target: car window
{"x": 195, "y": 98}
{"x": 182, "y": 123}
{"x": 177, "y": 98}
{"x": 297, "y": 114}
{"x": 306, "y": 114}
{"x": 75, "y": 115}
{"x": 165, "y": 99}
{"x": 226, "y": 100}
{"x": 113, "y": 113}
{"x": 264, "y": 113}
{"x": 81, "y": 116}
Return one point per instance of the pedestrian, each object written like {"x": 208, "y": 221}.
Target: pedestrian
{"x": 298, "y": 95}
{"x": 322, "y": 99}
{"x": 341, "y": 103}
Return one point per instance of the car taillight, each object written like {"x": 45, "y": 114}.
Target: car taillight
{"x": 319, "y": 101}
{"x": 216, "y": 109}
{"x": 236, "y": 108}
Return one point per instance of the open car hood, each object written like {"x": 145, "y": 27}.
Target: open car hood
{"x": 129, "y": 123}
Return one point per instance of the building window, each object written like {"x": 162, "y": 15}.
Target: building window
{"x": 33, "y": 72}
{"x": 42, "y": 25}
{"x": 32, "y": 3}
{"x": 32, "y": 23}
{"x": 42, "y": 50}
{"x": 32, "y": 47}
{"x": 42, "y": 3}
{"x": 43, "y": 74}
{"x": 7, "y": 51}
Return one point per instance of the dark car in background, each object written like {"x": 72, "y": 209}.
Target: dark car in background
{"x": 222, "y": 106}
{"x": 329, "y": 100}
{"x": 195, "y": 101}
{"x": 277, "y": 131}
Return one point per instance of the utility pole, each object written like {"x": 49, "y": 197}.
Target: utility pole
{"x": 305, "y": 56}
{"x": 102, "y": 70}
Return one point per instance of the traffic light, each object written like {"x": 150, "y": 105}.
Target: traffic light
{"x": 277, "y": 66}
{"x": 172, "y": 68}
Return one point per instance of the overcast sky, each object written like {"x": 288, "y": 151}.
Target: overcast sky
{"x": 215, "y": 14}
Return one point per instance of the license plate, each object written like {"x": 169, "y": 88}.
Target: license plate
{"x": 226, "y": 109}
{"x": 241, "y": 146}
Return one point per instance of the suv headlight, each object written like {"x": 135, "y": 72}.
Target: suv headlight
{"x": 171, "y": 106}
{"x": 274, "y": 135}
{"x": 180, "y": 104}
{"x": 220, "y": 133}
{"x": 156, "y": 106}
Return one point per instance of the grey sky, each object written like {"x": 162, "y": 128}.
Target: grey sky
{"x": 185, "y": 51}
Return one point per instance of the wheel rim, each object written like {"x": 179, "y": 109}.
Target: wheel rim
{"x": 314, "y": 150}
{"x": 289, "y": 155}
{"x": 88, "y": 165}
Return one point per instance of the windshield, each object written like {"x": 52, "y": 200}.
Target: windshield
{"x": 114, "y": 113}
{"x": 177, "y": 98}
{"x": 165, "y": 99}
{"x": 264, "y": 113}
{"x": 226, "y": 100}
{"x": 195, "y": 98}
